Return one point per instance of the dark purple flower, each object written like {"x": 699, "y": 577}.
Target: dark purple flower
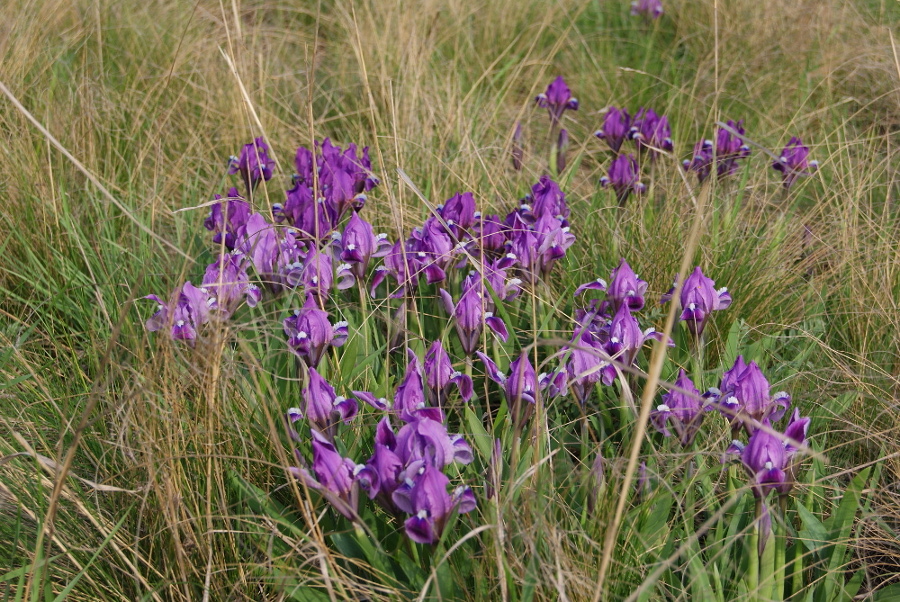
{"x": 322, "y": 407}
{"x": 556, "y": 100}
{"x": 624, "y": 177}
{"x": 359, "y": 243}
{"x": 726, "y": 152}
{"x": 547, "y": 198}
{"x": 683, "y": 407}
{"x": 744, "y": 396}
{"x": 470, "y": 315}
{"x": 616, "y": 127}
{"x": 253, "y": 164}
{"x": 651, "y": 132}
{"x": 649, "y": 9}
{"x": 380, "y": 476}
{"x": 332, "y": 476}
{"x": 227, "y": 218}
{"x": 424, "y": 495}
{"x": 623, "y": 341}
{"x": 405, "y": 264}
{"x": 490, "y": 234}
{"x": 428, "y": 440}
{"x": 699, "y": 298}
{"x": 310, "y": 332}
{"x": 587, "y": 361}
{"x": 625, "y": 287}
{"x": 439, "y": 374}
{"x": 227, "y": 283}
{"x": 458, "y": 213}
{"x": 311, "y": 216}
{"x": 794, "y": 162}
{"x": 188, "y": 310}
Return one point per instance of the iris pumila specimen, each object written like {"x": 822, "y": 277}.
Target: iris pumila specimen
{"x": 682, "y": 408}
{"x": 744, "y": 396}
{"x": 699, "y": 298}
{"x": 794, "y": 162}
{"x": 322, "y": 407}
{"x": 522, "y": 384}
{"x": 651, "y": 133}
{"x": 649, "y": 9}
{"x": 310, "y": 332}
{"x": 616, "y": 128}
{"x": 624, "y": 177}
{"x": 556, "y": 100}
{"x": 725, "y": 152}
{"x": 253, "y": 164}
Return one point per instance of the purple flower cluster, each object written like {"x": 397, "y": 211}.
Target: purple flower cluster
{"x": 724, "y": 153}
{"x": 699, "y": 298}
{"x": 405, "y": 472}
{"x": 649, "y": 9}
{"x": 556, "y": 100}
{"x": 794, "y": 162}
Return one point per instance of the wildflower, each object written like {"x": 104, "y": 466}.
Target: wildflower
{"x": 322, "y": 407}
{"x": 623, "y": 341}
{"x": 794, "y": 162}
{"x": 427, "y": 439}
{"x": 651, "y": 132}
{"x": 185, "y": 314}
{"x": 253, "y": 164}
{"x": 556, "y": 100}
{"x": 359, "y": 244}
{"x": 470, "y": 314}
{"x": 424, "y": 495}
{"x": 683, "y": 407}
{"x": 458, "y": 212}
{"x": 587, "y": 360}
{"x": 548, "y": 199}
{"x": 726, "y": 151}
{"x": 380, "y": 476}
{"x": 649, "y": 9}
{"x": 439, "y": 374}
{"x": 227, "y": 218}
{"x": 744, "y": 396}
{"x": 699, "y": 298}
{"x": 310, "y": 332}
{"x": 227, "y": 283}
{"x": 624, "y": 177}
{"x": 332, "y": 475}
{"x": 616, "y": 127}
{"x": 625, "y": 287}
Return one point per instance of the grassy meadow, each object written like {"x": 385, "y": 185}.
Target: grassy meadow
{"x": 135, "y": 467}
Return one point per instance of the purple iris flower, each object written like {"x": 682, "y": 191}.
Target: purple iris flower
{"x": 490, "y": 234}
{"x": 359, "y": 243}
{"x": 310, "y": 332}
{"x": 227, "y": 283}
{"x": 623, "y": 341}
{"x": 699, "y": 298}
{"x": 332, "y": 475}
{"x": 518, "y": 153}
{"x": 624, "y": 177}
{"x": 343, "y": 178}
{"x": 493, "y": 278}
{"x": 185, "y": 314}
{"x": 428, "y": 440}
{"x": 317, "y": 276}
{"x": 626, "y": 287}
{"x": 547, "y": 198}
{"x": 616, "y": 127}
{"x": 405, "y": 264}
{"x": 409, "y": 399}
{"x": 439, "y": 375}
{"x": 322, "y": 407}
{"x": 227, "y": 218}
{"x": 649, "y": 9}
{"x": 726, "y": 151}
{"x": 554, "y": 239}
{"x": 424, "y": 495}
{"x": 312, "y": 217}
{"x": 556, "y": 100}
{"x": 744, "y": 396}
{"x": 683, "y": 407}
{"x": 470, "y": 315}
{"x": 436, "y": 248}
{"x": 522, "y": 384}
{"x": 794, "y": 162}
{"x": 587, "y": 362}
{"x": 253, "y": 164}
{"x": 651, "y": 132}
{"x": 458, "y": 213}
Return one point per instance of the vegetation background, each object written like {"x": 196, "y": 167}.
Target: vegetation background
{"x": 152, "y": 97}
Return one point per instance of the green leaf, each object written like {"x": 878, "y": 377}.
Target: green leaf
{"x": 479, "y": 436}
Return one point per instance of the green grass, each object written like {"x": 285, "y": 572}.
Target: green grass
{"x": 142, "y": 95}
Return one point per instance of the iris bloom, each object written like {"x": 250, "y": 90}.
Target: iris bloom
{"x": 332, "y": 475}
{"x": 546, "y": 198}
{"x": 726, "y": 151}
{"x": 649, "y": 9}
{"x": 699, "y": 298}
{"x": 439, "y": 375}
{"x": 616, "y": 128}
{"x": 424, "y": 495}
{"x": 744, "y": 396}
{"x": 794, "y": 162}
{"x": 556, "y": 100}
{"x": 310, "y": 332}
{"x": 624, "y": 177}
{"x": 359, "y": 244}
{"x": 522, "y": 384}
{"x": 322, "y": 407}
{"x": 253, "y": 164}
{"x": 623, "y": 341}
{"x": 587, "y": 361}
{"x": 227, "y": 218}
{"x": 227, "y": 283}
{"x": 470, "y": 315}
{"x": 683, "y": 407}
{"x": 651, "y": 132}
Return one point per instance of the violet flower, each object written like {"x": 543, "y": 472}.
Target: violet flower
{"x": 227, "y": 218}
{"x": 380, "y": 476}
{"x": 556, "y": 100}
{"x": 587, "y": 361}
{"x": 424, "y": 495}
{"x": 332, "y": 475}
{"x": 649, "y": 9}
{"x": 185, "y": 314}
{"x": 651, "y": 132}
{"x": 310, "y": 332}
{"x": 626, "y": 287}
{"x": 227, "y": 283}
{"x": 794, "y": 162}
{"x": 744, "y": 396}
{"x": 439, "y": 375}
{"x": 490, "y": 234}
{"x": 616, "y": 128}
{"x": 547, "y": 198}
{"x": 726, "y": 151}
{"x": 623, "y": 341}
{"x": 683, "y": 407}
{"x": 470, "y": 315}
{"x": 253, "y": 164}
{"x": 359, "y": 244}
{"x": 427, "y": 440}
{"x": 322, "y": 407}
{"x": 458, "y": 212}
{"x": 699, "y": 298}
{"x": 624, "y": 177}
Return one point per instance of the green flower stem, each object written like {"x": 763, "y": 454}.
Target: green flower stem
{"x": 752, "y": 578}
